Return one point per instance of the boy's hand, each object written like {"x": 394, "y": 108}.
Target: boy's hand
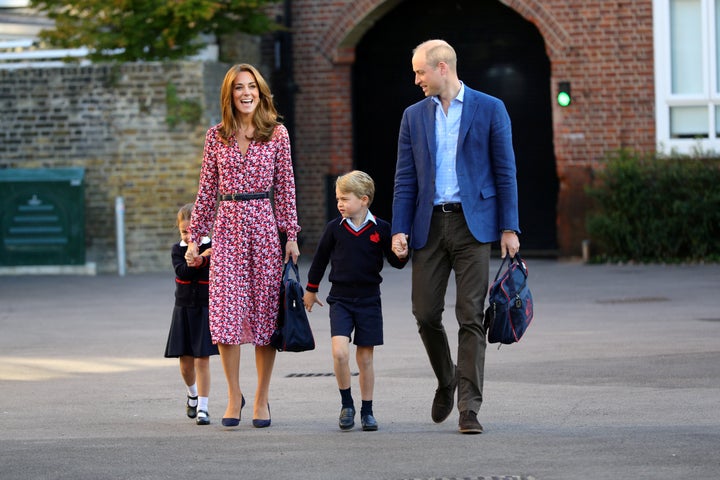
{"x": 399, "y": 245}
{"x": 310, "y": 299}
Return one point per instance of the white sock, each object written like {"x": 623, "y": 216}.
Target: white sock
{"x": 192, "y": 392}
{"x": 203, "y": 403}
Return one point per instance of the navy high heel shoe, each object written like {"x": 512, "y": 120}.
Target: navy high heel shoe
{"x": 234, "y": 422}
{"x": 259, "y": 423}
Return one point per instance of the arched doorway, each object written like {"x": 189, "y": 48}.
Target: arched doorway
{"x": 499, "y": 53}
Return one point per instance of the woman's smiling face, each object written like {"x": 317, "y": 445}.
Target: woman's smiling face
{"x": 246, "y": 93}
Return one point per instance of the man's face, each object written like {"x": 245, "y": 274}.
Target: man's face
{"x": 426, "y": 77}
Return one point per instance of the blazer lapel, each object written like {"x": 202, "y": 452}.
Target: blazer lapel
{"x": 470, "y": 105}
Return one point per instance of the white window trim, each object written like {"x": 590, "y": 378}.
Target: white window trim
{"x": 664, "y": 99}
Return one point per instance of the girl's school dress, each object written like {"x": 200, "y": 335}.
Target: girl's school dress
{"x": 189, "y": 329}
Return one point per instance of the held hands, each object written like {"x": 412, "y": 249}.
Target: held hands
{"x": 310, "y": 299}
{"x": 509, "y": 243}
{"x": 400, "y": 245}
{"x": 191, "y": 255}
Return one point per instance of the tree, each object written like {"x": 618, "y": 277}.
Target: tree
{"x": 130, "y": 30}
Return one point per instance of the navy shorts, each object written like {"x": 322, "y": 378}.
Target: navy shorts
{"x": 364, "y": 315}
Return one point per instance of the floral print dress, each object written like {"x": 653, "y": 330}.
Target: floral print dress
{"x": 246, "y": 265}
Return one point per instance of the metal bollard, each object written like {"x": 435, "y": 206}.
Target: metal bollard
{"x": 120, "y": 234}
{"x": 586, "y": 251}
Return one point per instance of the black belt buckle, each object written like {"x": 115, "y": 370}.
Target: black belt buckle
{"x": 240, "y": 197}
{"x": 450, "y": 207}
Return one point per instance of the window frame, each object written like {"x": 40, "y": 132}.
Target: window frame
{"x": 665, "y": 99}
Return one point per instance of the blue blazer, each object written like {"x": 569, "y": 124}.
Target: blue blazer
{"x": 485, "y": 165}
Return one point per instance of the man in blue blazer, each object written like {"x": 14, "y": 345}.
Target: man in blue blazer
{"x": 455, "y": 193}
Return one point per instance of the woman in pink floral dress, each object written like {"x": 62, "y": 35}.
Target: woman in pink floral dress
{"x": 245, "y": 157}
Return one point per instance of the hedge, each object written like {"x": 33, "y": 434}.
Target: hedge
{"x": 651, "y": 208}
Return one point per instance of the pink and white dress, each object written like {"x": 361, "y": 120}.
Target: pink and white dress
{"x": 247, "y": 260}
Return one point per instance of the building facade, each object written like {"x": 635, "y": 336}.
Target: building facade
{"x": 642, "y": 75}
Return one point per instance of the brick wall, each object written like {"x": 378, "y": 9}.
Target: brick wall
{"x": 111, "y": 120}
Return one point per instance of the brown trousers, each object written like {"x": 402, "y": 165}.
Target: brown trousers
{"x": 451, "y": 246}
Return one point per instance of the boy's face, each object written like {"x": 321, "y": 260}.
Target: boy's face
{"x": 183, "y": 228}
{"x": 349, "y": 204}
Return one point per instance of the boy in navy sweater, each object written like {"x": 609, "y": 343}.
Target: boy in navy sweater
{"x": 355, "y": 244}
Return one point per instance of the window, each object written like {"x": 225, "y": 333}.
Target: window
{"x": 687, "y": 74}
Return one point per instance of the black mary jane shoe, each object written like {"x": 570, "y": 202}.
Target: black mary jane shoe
{"x": 203, "y": 417}
{"x": 191, "y": 411}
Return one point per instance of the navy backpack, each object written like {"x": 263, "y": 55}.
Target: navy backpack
{"x": 511, "y": 305}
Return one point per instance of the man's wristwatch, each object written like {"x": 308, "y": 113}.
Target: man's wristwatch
{"x": 509, "y": 231}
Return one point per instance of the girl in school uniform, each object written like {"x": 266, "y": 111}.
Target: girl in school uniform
{"x": 189, "y": 337}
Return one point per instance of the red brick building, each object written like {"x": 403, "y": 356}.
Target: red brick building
{"x": 353, "y": 78}
{"x": 643, "y": 75}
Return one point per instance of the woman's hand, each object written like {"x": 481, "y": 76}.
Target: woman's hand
{"x": 292, "y": 250}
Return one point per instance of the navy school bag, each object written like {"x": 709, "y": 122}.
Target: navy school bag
{"x": 293, "y": 332}
{"x": 511, "y": 304}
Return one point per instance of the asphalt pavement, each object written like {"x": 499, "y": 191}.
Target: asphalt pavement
{"x": 618, "y": 377}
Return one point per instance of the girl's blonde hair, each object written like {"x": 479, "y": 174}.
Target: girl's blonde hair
{"x": 265, "y": 118}
{"x": 358, "y": 183}
{"x": 184, "y": 213}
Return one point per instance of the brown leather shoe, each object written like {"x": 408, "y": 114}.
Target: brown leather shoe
{"x": 469, "y": 422}
{"x": 444, "y": 401}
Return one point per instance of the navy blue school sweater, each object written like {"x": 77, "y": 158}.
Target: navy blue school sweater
{"x": 356, "y": 258}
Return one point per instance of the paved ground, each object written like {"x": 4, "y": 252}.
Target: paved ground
{"x": 617, "y": 378}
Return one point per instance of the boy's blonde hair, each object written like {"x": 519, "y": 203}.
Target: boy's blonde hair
{"x": 358, "y": 183}
{"x": 184, "y": 213}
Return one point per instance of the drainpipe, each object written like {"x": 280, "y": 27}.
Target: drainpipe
{"x": 284, "y": 67}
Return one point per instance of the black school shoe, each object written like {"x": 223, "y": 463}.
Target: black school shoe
{"x": 347, "y": 418}
{"x": 191, "y": 411}
{"x": 368, "y": 422}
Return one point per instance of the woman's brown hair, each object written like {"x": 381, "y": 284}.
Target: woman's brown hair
{"x": 265, "y": 117}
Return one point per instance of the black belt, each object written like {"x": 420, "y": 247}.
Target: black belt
{"x": 244, "y": 196}
{"x": 448, "y": 208}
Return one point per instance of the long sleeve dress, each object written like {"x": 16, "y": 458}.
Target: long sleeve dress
{"x": 246, "y": 267}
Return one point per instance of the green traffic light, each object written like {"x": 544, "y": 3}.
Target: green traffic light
{"x": 563, "y": 99}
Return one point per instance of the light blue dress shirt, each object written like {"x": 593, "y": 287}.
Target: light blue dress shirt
{"x": 447, "y": 129}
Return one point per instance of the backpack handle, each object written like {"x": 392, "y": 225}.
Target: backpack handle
{"x": 291, "y": 266}
{"x": 517, "y": 258}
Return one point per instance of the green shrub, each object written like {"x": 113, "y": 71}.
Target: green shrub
{"x": 656, "y": 209}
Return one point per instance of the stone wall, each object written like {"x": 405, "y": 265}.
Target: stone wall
{"x": 137, "y": 130}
